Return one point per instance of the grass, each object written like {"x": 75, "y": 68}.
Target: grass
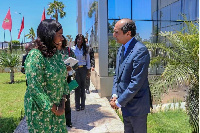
{"x": 12, "y": 101}
{"x": 170, "y": 121}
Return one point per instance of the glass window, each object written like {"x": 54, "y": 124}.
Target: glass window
{"x": 197, "y": 17}
{"x": 191, "y": 9}
{"x": 176, "y": 10}
{"x": 141, "y": 9}
{"x": 176, "y": 27}
{"x": 154, "y": 16}
{"x": 165, "y": 13}
{"x": 118, "y": 9}
{"x": 143, "y": 30}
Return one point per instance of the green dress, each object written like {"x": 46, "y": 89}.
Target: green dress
{"x": 46, "y": 78}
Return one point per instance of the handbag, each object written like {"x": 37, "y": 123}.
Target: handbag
{"x": 73, "y": 85}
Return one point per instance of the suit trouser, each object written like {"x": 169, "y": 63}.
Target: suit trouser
{"x": 135, "y": 124}
{"x": 80, "y": 90}
{"x": 68, "y": 110}
{"x": 67, "y": 105}
{"x": 87, "y": 83}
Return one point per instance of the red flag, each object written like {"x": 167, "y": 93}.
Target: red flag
{"x": 21, "y": 28}
{"x": 43, "y": 15}
{"x": 7, "y": 22}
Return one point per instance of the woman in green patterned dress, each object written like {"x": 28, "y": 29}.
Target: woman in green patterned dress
{"x": 46, "y": 77}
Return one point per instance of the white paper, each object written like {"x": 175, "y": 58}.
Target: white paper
{"x": 71, "y": 61}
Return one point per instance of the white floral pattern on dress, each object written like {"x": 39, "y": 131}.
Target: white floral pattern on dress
{"x": 46, "y": 78}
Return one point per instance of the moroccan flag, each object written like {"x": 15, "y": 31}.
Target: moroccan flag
{"x": 43, "y": 15}
{"x": 21, "y": 28}
{"x": 7, "y": 22}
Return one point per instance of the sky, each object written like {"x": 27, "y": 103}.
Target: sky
{"x": 32, "y": 11}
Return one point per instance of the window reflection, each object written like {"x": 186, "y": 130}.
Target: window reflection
{"x": 118, "y": 9}
{"x": 151, "y": 18}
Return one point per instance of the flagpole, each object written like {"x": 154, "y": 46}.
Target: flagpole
{"x": 10, "y": 43}
{"x": 4, "y": 36}
{"x": 24, "y": 36}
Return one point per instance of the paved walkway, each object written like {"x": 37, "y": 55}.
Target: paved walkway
{"x": 98, "y": 116}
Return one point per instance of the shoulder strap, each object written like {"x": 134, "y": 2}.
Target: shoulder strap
{"x": 69, "y": 51}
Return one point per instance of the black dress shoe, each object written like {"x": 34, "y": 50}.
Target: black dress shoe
{"x": 87, "y": 91}
{"x": 70, "y": 125}
{"x": 77, "y": 109}
{"x": 82, "y": 108}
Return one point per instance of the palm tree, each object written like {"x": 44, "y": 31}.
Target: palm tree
{"x": 69, "y": 38}
{"x": 31, "y": 34}
{"x": 181, "y": 61}
{"x": 94, "y": 9}
{"x": 55, "y": 8}
{"x": 9, "y": 60}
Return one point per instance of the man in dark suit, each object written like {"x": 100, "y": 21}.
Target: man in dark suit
{"x": 131, "y": 90}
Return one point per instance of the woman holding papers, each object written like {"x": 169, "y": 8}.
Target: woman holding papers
{"x": 66, "y": 53}
{"x": 82, "y": 70}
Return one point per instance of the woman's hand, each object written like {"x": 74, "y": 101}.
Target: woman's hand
{"x": 88, "y": 73}
{"x": 58, "y": 110}
{"x": 69, "y": 68}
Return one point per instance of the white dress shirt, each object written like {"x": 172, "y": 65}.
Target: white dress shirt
{"x": 79, "y": 56}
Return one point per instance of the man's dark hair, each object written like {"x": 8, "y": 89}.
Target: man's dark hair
{"x": 83, "y": 44}
{"x": 46, "y": 32}
{"x": 129, "y": 26}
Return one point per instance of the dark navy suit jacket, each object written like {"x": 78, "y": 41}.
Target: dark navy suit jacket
{"x": 131, "y": 80}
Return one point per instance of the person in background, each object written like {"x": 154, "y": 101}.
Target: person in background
{"x": 44, "y": 100}
{"x": 92, "y": 63}
{"x": 28, "y": 47}
{"x": 131, "y": 90}
{"x": 82, "y": 70}
{"x": 67, "y": 52}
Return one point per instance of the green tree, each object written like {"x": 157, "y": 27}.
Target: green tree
{"x": 55, "y": 8}
{"x": 181, "y": 61}
{"x": 9, "y": 60}
{"x": 31, "y": 34}
{"x": 69, "y": 38}
{"x": 15, "y": 44}
{"x": 111, "y": 26}
{"x": 113, "y": 47}
{"x": 94, "y": 9}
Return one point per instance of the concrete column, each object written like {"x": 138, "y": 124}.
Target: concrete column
{"x": 79, "y": 16}
{"x": 103, "y": 37}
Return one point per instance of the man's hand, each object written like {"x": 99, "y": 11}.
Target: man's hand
{"x": 113, "y": 104}
{"x": 113, "y": 99}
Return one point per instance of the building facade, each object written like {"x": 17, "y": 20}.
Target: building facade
{"x": 96, "y": 20}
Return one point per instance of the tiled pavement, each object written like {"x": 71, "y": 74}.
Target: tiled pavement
{"x": 98, "y": 116}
